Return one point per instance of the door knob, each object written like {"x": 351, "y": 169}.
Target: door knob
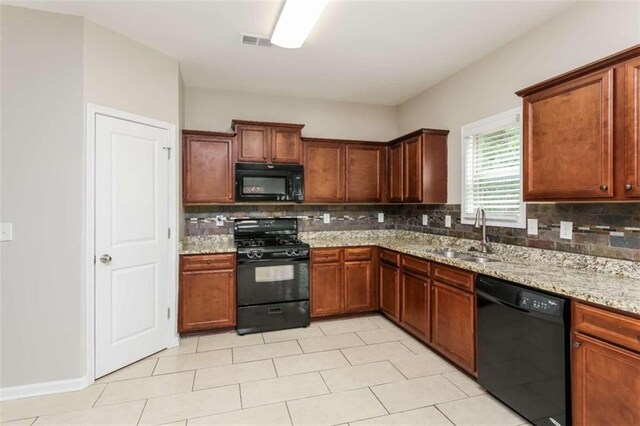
{"x": 628, "y": 187}
{"x": 105, "y": 258}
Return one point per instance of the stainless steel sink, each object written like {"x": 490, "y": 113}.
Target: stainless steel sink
{"x": 478, "y": 259}
{"x": 450, "y": 254}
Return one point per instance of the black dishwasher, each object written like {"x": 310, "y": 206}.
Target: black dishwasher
{"x": 523, "y": 350}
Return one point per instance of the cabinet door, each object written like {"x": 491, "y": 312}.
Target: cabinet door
{"x": 324, "y": 172}
{"x": 364, "y": 173}
{"x": 632, "y": 125}
{"x": 358, "y": 287}
{"x": 207, "y": 299}
{"x": 326, "y": 289}
{"x": 253, "y": 143}
{"x": 207, "y": 169}
{"x": 453, "y": 324}
{"x": 415, "y": 304}
{"x": 568, "y": 140}
{"x": 605, "y": 382}
{"x": 390, "y": 290}
{"x": 412, "y": 167}
{"x": 396, "y": 173}
{"x": 285, "y": 145}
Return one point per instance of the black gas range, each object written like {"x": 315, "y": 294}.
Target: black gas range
{"x": 273, "y": 275}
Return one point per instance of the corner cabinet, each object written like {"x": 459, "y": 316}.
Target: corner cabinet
{"x": 207, "y": 297}
{"x": 605, "y": 367}
{"x": 208, "y": 167}
{"x": 581, "y": 133}
{"x": 417, "y": 165}
{"x": 262, "y": 142}
{"x": 342, "y": 281}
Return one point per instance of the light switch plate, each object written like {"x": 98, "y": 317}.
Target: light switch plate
{"x": 425, "y": 219}
{"x": 326, "y": 218}
{"x": 380, "y": 217}
{"x": 532, "y": 226}
{"x": 447, "y": 221}
{"x": 6, "y": 231}
{"x": 566, "y": 230}
{"x": 219, "y": 220}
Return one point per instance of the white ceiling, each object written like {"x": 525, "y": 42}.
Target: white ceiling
{"x": 375, "y": 52}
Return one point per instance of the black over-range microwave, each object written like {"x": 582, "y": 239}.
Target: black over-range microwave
{"x": 269, "y": 182}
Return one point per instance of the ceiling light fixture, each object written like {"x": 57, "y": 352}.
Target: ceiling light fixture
{"x": 296, "y": 22}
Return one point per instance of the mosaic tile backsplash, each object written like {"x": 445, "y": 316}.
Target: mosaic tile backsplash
{"x": 605, "y": 229}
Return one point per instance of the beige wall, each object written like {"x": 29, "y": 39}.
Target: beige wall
{"x": 42, "y": 311}
{"x": 207, "y": 109}
{"x": 583, "y": 33}
{"x": 51, "y": 65}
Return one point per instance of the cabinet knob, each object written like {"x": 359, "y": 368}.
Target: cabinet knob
{"x": 273, "y": 158}
{"x": 604, "y": 187}
{"x": 424, "y": 285}
{"x": 264, "y": 157}
{"x": 628, "y": 186}
{"x": 230, "y": 274}
{"x": 208, "y": 262}
{"x": 577, "y": 344}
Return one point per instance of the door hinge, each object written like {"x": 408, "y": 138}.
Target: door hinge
{"x": 94, "y": 259}
{"x": 169, "y": 233}
{"x": 168, "y": 313}
{"x": 168, "y": 148}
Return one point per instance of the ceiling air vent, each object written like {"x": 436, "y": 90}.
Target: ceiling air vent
{"x": 254, "y": 40}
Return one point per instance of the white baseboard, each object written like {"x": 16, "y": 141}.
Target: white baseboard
{"x": 45, "y": 388}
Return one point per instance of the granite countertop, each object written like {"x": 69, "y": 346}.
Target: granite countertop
{"x": 609, "y": 282}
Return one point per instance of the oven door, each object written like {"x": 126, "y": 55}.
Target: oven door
{"x": 257, "y": 185}
{"x": 272, "y": 281}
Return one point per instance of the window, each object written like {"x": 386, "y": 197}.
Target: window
{"x": 492, "y": 170}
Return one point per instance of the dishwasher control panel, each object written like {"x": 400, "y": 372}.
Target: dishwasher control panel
{"x": 538, "y": 302}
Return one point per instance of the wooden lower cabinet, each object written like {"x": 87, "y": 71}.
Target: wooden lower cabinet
{"x": 359, "y": 295}
{"x": 207, "y": 298}
{"x": 453, "y": 324}
{"x": 326, "y": 289}
{"x": 390, "y": 290}
{"x": 415, "y": 298}
{"x": 606, "y": 383}
{"x": 340, "y": 286}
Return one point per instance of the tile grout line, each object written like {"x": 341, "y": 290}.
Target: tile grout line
{"x": 440, "y": 411}
{"x": 193, "y": 384}
{"x": 286, "y": 404}
{"x": 456, "y": 386}
{"x": 101, "y": 392}
{"x": 378, "y": 399}
{"x": 142, "y": 412}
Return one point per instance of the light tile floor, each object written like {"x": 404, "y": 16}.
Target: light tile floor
{"x": 360, "y": 371}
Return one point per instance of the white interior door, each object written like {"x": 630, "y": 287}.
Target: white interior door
{"x": 131, "y": 242}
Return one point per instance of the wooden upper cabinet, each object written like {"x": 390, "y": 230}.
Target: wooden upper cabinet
{"x": 581, "y": 133}
{"x": 285, "y": 145}
{"x": 324, "y": 172}
{"x": 631, "y": 182}
{"x": 605, "y": 383}
{"x": 261, "y": 142}
{"x": 568, "y": 140}
{"x": 412, "y": 167}
{"x": 417, "y": 165}
{"x": 365, "y": 173}
{"x": 396, "y": 173}
{"x": 207, "y": 167}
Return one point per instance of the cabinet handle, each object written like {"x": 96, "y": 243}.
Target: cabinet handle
{"x": 604, "y": 187}
{"x": 577, "y": 344}
{"x": 424, "y": 285}
{"x": 627, "y": 187}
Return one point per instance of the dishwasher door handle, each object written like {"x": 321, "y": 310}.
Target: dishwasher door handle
{"x": 501, "y": 302}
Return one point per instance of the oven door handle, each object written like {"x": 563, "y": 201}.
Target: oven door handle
{"x": 286, "y": 261}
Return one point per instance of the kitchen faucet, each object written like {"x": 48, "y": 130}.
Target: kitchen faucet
{"x": 481, "y": 220}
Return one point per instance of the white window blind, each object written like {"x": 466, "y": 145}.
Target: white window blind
{"x": 492, "y": 170}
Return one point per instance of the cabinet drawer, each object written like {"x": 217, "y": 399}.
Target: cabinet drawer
{"x": 454, "y": 276}
{"x": 416, "y": 265}
{"x": 207, "y": 262}
{"x": 389, "y": 256}
{"x": 360, "y": 253}
{"x": 614, "y": 328}
{"x": 325, "y": 255}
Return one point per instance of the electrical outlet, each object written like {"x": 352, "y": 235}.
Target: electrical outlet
{"x": 532, "y": 226}
{"x": 326, "y": 218}
{"x": 566, "y": 230}
{"x": 219, "y": 220}
{"x": 447, "y": 221}
{"x": 425, "y": 219}
{"x": 380, "y": 217}
{"x": 6, "y": 231}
